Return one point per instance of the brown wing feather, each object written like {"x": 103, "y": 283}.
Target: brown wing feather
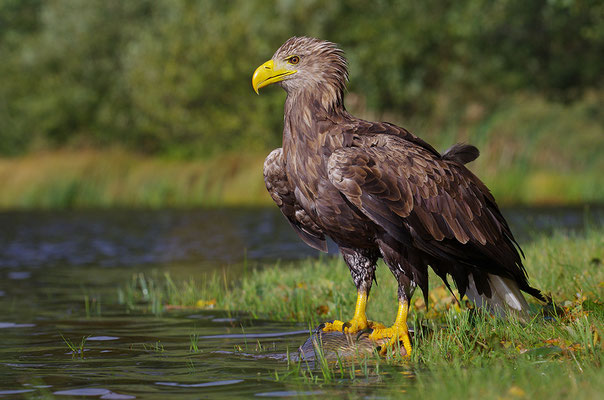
{"x": 417, "y": 197}
{"x": 282, "y": 194}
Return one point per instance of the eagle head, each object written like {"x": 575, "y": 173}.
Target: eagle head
{"x": 303, "y": 63}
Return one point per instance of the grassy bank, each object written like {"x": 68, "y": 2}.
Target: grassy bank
{"x": 565, "y": 266}
{"x": 463, "y": 355}
{"x": 110, "y": 178}
{"x": 533, "y": 151}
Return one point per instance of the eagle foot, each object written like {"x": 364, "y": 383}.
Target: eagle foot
{"x": 395, "y": 334}
{"x": 353, "y": 326}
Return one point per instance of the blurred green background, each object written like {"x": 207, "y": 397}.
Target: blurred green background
{"x": 149, "y": 102}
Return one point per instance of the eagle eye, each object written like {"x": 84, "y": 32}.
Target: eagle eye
{"x": 294, "y": 60}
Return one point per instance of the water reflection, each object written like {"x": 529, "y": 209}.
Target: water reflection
{"x": 138, "y": 356}
{"x": 135, "y": 237}
{"x": 101, "y": 393}
{"x": 290, "y": 393}
{"x": 198, "y": 385}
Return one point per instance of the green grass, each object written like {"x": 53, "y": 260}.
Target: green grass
{"x": 156, "y": 347}
{"x": 92, "y": 305}
{"x": 564, "y": 265}
{"x": 524, "y": 378}
{"x": 459, "y": 353}
{"x": 478, "y": 359}
{"x": 76, "y": 349}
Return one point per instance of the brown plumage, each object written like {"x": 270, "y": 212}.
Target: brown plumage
{"x": 379, "y": 191}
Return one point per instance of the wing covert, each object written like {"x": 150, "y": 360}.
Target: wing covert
{"x": 408, "y": 191}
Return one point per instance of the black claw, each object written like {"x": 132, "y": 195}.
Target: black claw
{"x": 322, "y": 325}
{"x": 366, "y": 331}
{"x": 345, "y": 325}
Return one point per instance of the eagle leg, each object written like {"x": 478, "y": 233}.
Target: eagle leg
{"x": 403, "y": 264}
{"x": 362, "y": 268}
{"x": 359, "y": 320}
{"x": 398, "y": 332}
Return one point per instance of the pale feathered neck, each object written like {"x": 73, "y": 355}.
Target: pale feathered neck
{"x": 321, "y": 78}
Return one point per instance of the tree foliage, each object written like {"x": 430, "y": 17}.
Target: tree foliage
{"x": 173, "y": 76}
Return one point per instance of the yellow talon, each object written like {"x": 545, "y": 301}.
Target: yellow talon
{"x": 358, "y": 321}
{"x": 351, "y": 326}
{"x": 335, "y": 326}
{"x": 394, "y": 335}
{"x": 397, "y": 332}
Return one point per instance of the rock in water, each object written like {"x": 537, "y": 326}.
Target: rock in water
{"x": 339, "y": 344}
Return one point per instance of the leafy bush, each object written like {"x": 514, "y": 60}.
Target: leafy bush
{"x": 172, "y": 77}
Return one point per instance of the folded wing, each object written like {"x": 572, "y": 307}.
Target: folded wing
{"x": 429, "y": 202}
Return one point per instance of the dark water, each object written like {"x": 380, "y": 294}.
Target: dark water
{"x": 132, "y": 238}
{"x": 51, "y": 261}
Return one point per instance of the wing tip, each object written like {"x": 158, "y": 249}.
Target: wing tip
{"x": 461, "y": 153}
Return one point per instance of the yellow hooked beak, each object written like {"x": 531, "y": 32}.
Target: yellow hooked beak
{"x": 266, "y": 74}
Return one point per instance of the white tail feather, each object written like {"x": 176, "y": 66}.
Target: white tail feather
{"x": 505, "y": 297}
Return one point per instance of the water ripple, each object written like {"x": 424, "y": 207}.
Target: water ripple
{"x": 102, "y": 393}
{"x": 102, "y": 338}
{"x": 198, "y": 385}
{"x": 289, "y": 393}
{"x": 5, "y": 325}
